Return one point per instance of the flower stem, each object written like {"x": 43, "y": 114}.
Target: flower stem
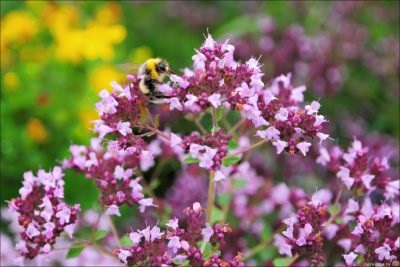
{"x": 198, "y": 124}
{"x": 214, "y": 116}
{"x": 96, "y": 224}
{"x": 211, "y": 193}
{"x": 260, "y": 247}
{"x": 114, "y": 231}
{"x": 236, "y": 126}
{"x": 259, "y": 143}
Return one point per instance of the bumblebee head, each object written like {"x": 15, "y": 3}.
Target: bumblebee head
{"x": 162, "y": 66}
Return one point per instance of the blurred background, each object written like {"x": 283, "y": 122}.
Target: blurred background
{"x": 57, "y": 55}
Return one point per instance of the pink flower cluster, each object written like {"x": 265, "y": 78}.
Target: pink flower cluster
{"x": 291, "y": 127}
{"x": 42, "y": 213}
{"x": 112, "y": 170}
{"x": 119, "y": 110}
{"x": 303, "y": 233}
{"x": 217, "y": 80}
{"x": 177, "y": 245}
{"x": 374, "y": 236}
{"x": 208, "y": 149}
{"x": 359, "y": 171}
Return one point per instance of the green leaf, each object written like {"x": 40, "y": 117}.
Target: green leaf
{"x": 126, "y": 241}
{"x": 216, "y": 215}
{"x": 334, "y": 209}
{"x": 190, "y": 159}
{"x": 230, "y": 161}
{"x": 339, "y": 220}
{"x": 232, "y": 144}
{"x": 181, "y": 263}
{"x": 100, "y": 234}
{"x": 266, "y": 232}
{"x": 220, "y": 113}
{"x": 207, "y": 253}
{"x": 281, "y": 262}
{"x": 75, "y": 250}
{"x": 223, "y": 199}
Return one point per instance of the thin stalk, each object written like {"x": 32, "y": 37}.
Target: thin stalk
{"x": 259, "y": 143}
{"x": 96, "y": 224}
{"x": 201, "y": 128}
{"x": 257, "y": 249}
{"x": 293, "y": 260}
{"x": 211, "y": 193}
{"x": 236, "y": 126}
{"x": 150, "y": 117}
{"x": 114, "y": 231}
{"x": 333, "y": 216}
{"x": 214, "y": 116}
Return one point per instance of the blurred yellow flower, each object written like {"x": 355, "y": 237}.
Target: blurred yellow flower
{"x": 101, "y": 77}
{"x": 11, "y": 81}
{"x": 95, "y": 41}
{"x": 141, "y": 54}
{"x": 59, "y": 18}
{"x": 110, "y": 13}
{"x": 86, "y": 117}
{"x": 18, "y": 26}
{"x": 36, "y": 130}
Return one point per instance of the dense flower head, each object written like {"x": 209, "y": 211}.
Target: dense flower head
{"x": 42, "y": 214}
{"x": 113, "y": 168}
{"x": 360, "y": 170}
{"x": 177, "y": 245}
{"x": 208, "y": 149}
{"x": 303, "y": 234}
{"x": 374, "y": 235}
{"x": 215, "y": 80}
{"x": 121, "y": 109}
{"x": 290, "y": 126}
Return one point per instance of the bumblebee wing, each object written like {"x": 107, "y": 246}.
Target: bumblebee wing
{"x": 130, "y": 68}
{"x": 171, "y": 70}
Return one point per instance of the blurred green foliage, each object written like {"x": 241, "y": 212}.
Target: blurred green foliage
{"x": 56, "y": 57}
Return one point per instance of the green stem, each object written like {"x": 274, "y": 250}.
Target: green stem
{"x": 114, "y": 231}
{"x": 260, "y": 247}
{"x": 96, "y": 224}
{"x": 211, "y": 193}
{"x": 259, "y": 143}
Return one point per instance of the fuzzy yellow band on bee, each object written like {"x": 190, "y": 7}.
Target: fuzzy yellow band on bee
{"x": 151, "y": 65}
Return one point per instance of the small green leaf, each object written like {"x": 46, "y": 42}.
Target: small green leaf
{"x": 216, "y": 215}
{"x": 126, "y": 241}
{"x": 190, "y": 159}
{"x": 339, "y": 220}
{"x": 232, "y": 144}
{"x": 266, "y": 232}
{"x": 180, "y": 263}
{"x": 230, "y": 161}
{"x": 207, "y": 253}
{"x": 334, "y": 209}
{"x": 223, "y": 199}
{"x": 220, "y": 113}
{"x": 100, "y": 234}
{"x": 75, "y": 250}
{"x": 281, "y": 262}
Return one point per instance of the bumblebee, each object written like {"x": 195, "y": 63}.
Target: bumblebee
{"x": 152, "y": 73}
